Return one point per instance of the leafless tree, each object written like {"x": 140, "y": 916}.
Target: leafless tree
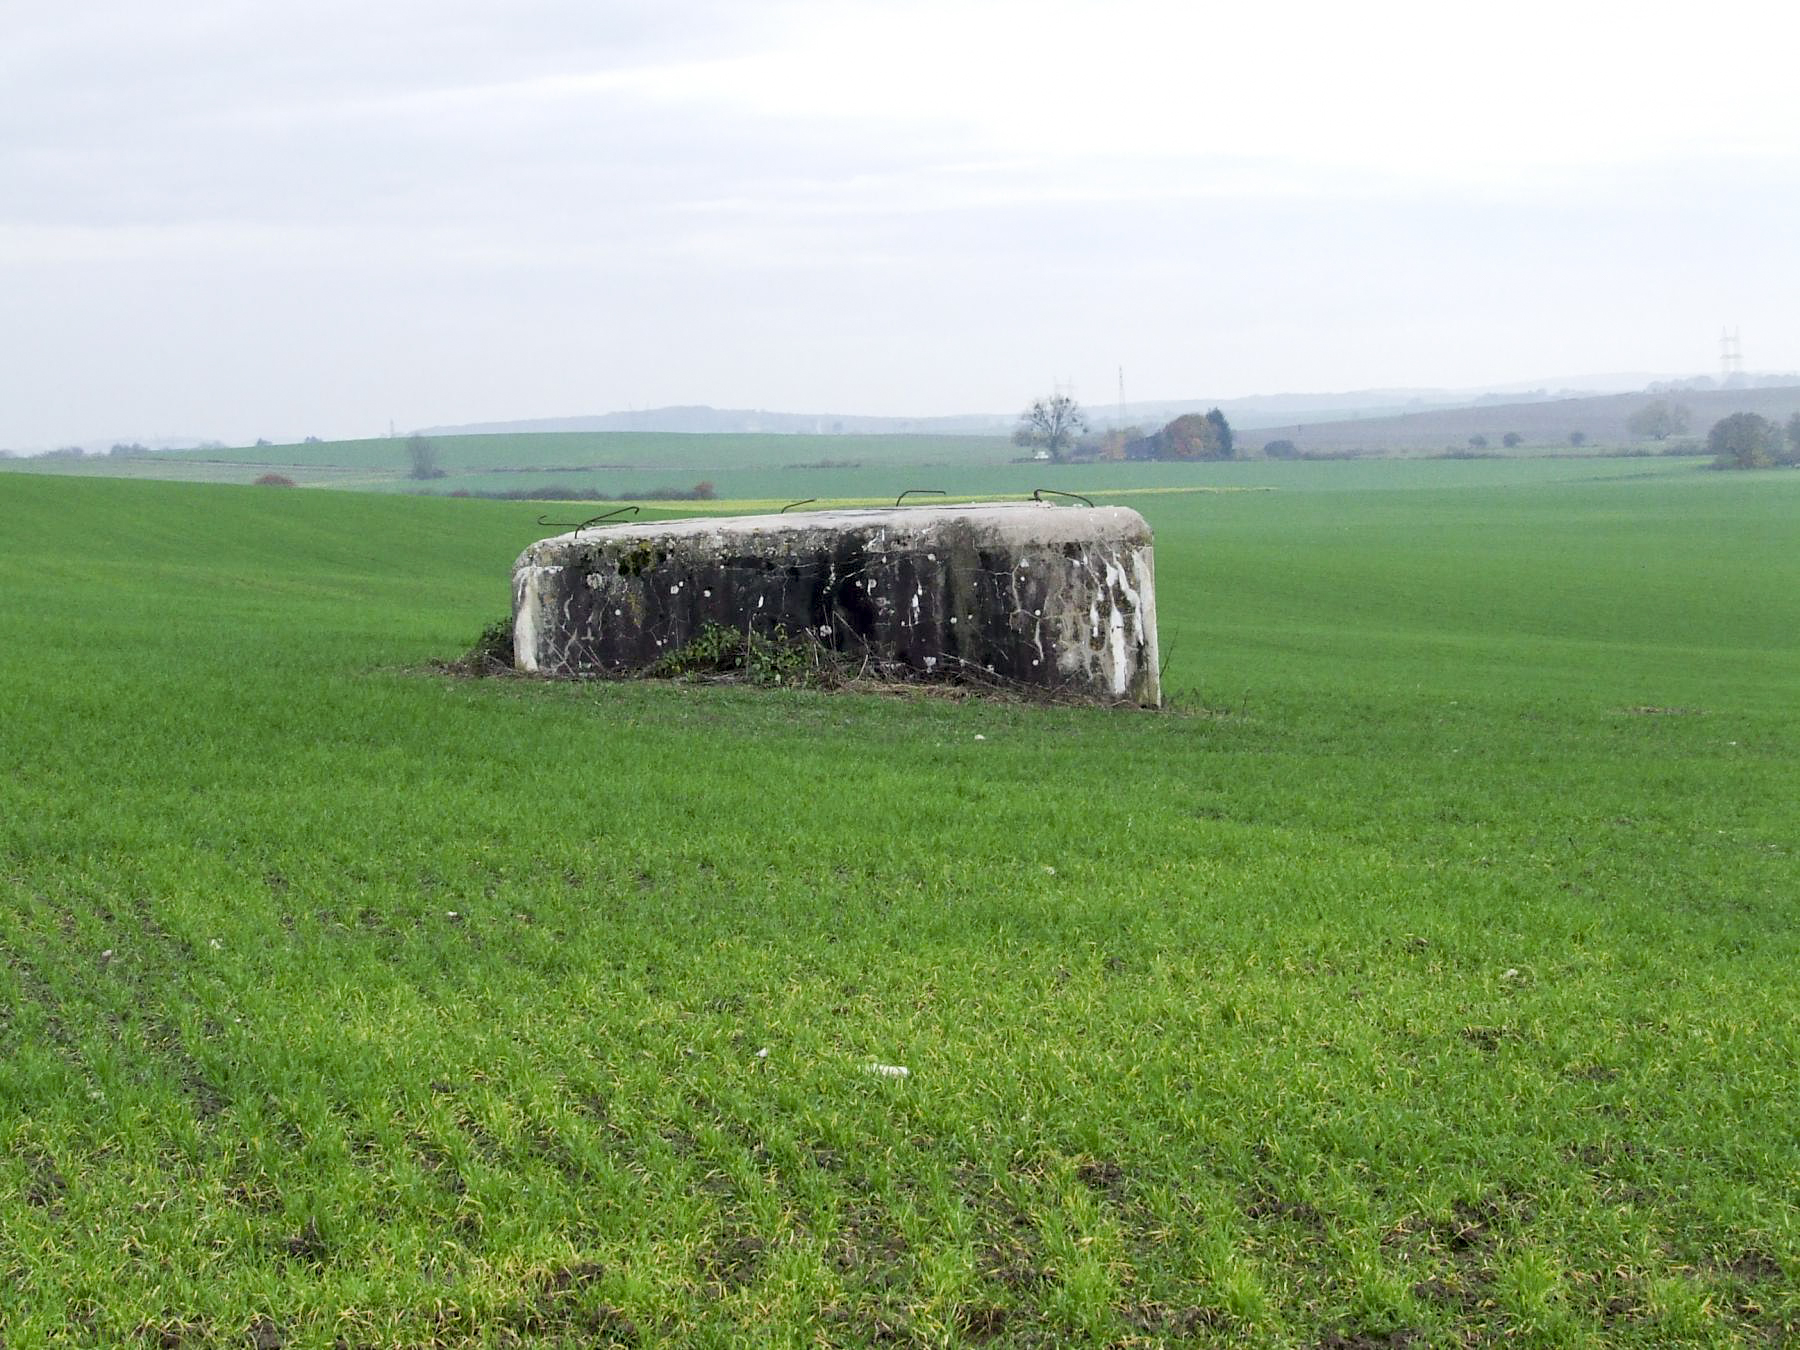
{"x": 1658, "y": 421}
{"x": 1051, "y": 424}
{"x": 423, "y": 456}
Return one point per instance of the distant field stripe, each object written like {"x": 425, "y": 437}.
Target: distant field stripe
{"x": 735, "y": 505}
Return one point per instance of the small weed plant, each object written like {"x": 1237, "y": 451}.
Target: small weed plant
{"x": 776, "y": 658}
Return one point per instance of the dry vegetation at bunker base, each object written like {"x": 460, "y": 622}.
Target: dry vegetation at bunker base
{"x": 1425, "y": 978}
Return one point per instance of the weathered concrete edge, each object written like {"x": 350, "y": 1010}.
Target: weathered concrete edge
{"x": 1048, "y": 525}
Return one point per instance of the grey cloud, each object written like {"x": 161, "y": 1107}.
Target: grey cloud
{"x": 253, "y": 218}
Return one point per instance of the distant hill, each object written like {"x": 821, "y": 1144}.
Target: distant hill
{"x": 1255, "y": 412}
{"x": 702, "y": 420}
{"x": 1600, "y": 418}
{"x": 1396, "y": 419}
{"x": 1271, "y": 410}
{"x": 1258, "y": 410}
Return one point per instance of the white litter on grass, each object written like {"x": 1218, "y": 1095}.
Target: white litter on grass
{"x": 1510, "y": 973}
{"x": 889, "y": 1070}
{"x": 978, "y": 735}
{"x": 763, "y": 1053}
{"x": 216, "y": 945}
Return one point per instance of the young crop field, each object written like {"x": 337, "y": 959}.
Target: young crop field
{"x": 604, "y": 461}
{"x": 1424, "y": 976}
{"x": 524, "y": 451}
{"x": 779, "y": 469}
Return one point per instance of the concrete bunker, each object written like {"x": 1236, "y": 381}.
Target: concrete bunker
{"x": 1054, "y": 597}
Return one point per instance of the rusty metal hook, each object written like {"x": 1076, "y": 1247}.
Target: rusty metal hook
{"x": 591, "y": 520}
{"x": 791, "y": 505}
{"x": 1037, "y": 495}
{"x": 914, "y": 492}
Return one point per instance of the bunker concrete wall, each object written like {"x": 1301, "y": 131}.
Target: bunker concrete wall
{"x": 1058, "y": 597}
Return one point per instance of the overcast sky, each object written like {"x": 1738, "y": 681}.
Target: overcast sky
{"x": 233, "y": 218}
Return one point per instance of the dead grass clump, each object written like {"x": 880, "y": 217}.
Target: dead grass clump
{"x": 492, "y": 653}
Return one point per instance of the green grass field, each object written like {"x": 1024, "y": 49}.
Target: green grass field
{"x": 740, "y": 465}
{"x": 1424, "y": 977}
{"x": 787, "y": 468}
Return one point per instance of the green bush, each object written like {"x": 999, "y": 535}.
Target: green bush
{"x": 776, "y": 658}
